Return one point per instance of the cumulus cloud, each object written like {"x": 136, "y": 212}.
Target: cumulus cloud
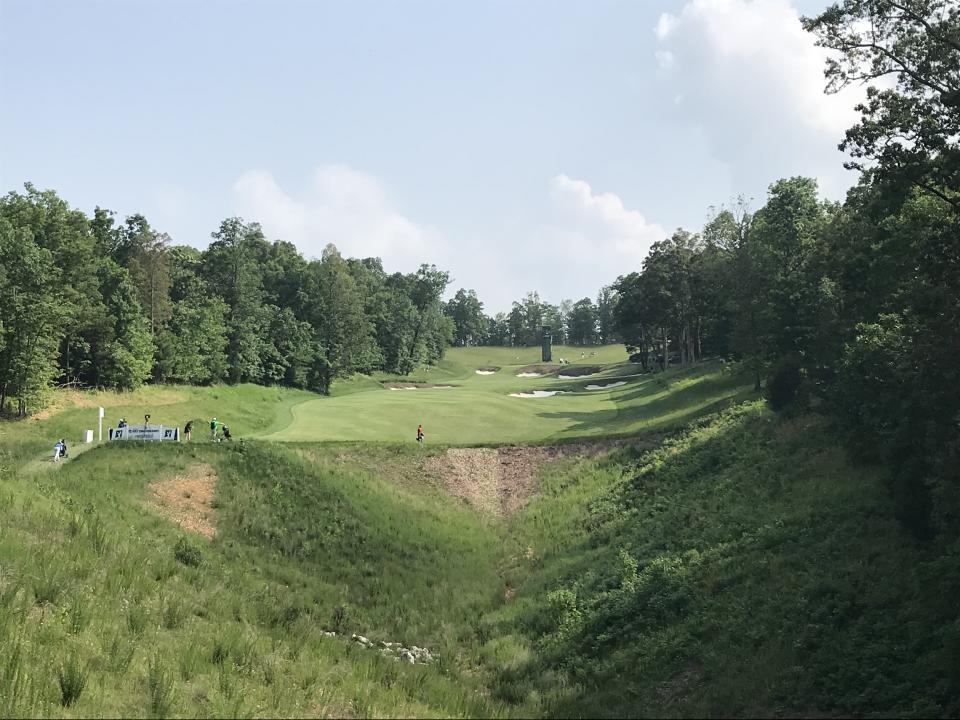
{"x": 751, "y": 79}
{"x": 343, "y": 206}
{"x": 598, "y": 221}
{"x": 586, "y": 240}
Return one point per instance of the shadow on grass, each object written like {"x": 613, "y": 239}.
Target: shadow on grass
{"x": 654, "y": 403}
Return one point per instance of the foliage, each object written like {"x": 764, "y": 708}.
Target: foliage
{"x": 187, "y": 553}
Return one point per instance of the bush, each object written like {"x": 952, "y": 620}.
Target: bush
{"x": 187, "y": 553}
{"x": 160, "y": 683}
{"x": 72, "y": 678}
{"x": 784, "y": 383}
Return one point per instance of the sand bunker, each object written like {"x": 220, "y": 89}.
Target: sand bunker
{"x": 187, "y": 499}
{"x": 488, "y": 370}
{"x": 538, "y": 393}
{"x": 536, "y": 370}
{"x": 576, "y": 371}
{"x": 417, "y": 386}
{"x": 608, "y": 385}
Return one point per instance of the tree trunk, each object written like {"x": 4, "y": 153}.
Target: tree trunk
{"x": 663, "y": 354}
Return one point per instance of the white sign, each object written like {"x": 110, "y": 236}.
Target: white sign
{"x": 101, "y": 412}
{"x": 145, "y": 432}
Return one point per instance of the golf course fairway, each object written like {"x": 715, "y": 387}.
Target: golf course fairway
{"x": 469, "y": 408}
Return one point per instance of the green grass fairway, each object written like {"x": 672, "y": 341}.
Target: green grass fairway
{"x": 479, "y": 408}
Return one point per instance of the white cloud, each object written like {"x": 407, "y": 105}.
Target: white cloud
{"x": 752, "y": 79}
{"x": 601, "y": 223}
{"x": 585, "y": 241}
{"x": 345, "y": 207}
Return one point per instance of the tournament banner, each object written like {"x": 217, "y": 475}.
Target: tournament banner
{"x": 145, "y": 432}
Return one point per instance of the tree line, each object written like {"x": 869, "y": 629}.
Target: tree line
{"x": 583, "y": 322}
{"x": 96, "y": 303}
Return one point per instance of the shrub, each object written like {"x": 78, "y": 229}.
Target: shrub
{"x": 160, "y": 683}
{"x": 191, "y": 658}
{"x": 137, "y": 617}
{"x": 119, "y": 654}
{"x": 340, "y": 613}
{"x": 187, "y": 553}
{"x": 72, "y": 678}
{"x": 784, "y": 383}
{"x": 97, "y": 535}
{"x": 172, "y": 614}
{"x": 47, "y": 587}
{"x": 78, "y": 615}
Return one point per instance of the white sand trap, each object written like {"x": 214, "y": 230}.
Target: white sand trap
{"x": 529, "y": 374}
{"x": 608, "y": 385}
{"x": 486, "y": 372}
{"x": 435, "y": 387}
{"x": 537, "y": 393}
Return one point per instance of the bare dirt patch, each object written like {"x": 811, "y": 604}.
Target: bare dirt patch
{"x": 472, "y": 474}
{"x": 187, "y": 499}
{"x": 500, "y": 481}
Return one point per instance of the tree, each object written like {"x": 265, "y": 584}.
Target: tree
{"x": 125, "y": 355}
{"x": 466, "y": 311}
{"x": 555, "y": 318}
{"x": 910, "y": 133}
{"x": 32, "y": 310}
{"x": 633, "y": 316}
{"x": 583, "y": 323}
{"x": 341, "y": 329}
{"x": 498, "y": 330}
{"x": 232, "y": 265}
{"x": 606, "y": 316}
{"x": 432, "y": 332}
{"x": 65, "y": 233}
{"x": 196, "y": 341}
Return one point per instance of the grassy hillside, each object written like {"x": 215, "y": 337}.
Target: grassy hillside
{"x": 743, "y": 567}
{"x": 96, "y": 583}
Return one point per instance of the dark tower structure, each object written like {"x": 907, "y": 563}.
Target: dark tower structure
{"x": 546, "y": 351}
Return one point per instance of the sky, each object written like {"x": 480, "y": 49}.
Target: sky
{"x": 520, "y": 145}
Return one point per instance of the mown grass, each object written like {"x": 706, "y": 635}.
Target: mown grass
{"x": 480, "y": 409}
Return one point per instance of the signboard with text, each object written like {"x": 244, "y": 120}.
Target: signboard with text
{"x": 145, "y": 432}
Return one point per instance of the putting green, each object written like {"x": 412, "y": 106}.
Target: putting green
{"x": 481, "y": 408}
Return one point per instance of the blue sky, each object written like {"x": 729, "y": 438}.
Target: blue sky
{"x": 520, "y": 145}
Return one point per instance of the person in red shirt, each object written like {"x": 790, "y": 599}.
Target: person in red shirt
{"x": 420, "y": 434}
